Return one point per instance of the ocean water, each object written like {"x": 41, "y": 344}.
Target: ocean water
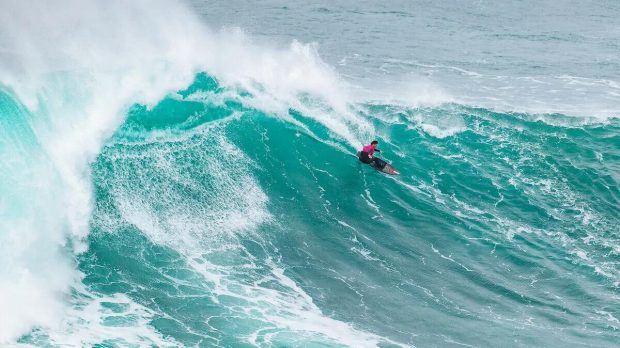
{"x": 183, "y": 174}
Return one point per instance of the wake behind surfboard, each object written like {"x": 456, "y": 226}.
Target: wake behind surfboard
{"x": 387, "y": 168}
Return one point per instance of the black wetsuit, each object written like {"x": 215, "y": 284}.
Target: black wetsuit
{"x": 365, "y": 158}
{"x": 377, "y": 162}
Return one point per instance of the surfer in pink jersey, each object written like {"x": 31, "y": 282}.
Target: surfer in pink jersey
{"x": 367, "y": 155}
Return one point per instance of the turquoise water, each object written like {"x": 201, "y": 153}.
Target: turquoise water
{"x": 189, "y": 200}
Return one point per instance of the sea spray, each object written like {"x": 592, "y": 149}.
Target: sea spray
{"x": 69, "y": 72}
{"x": 72, "y": 75}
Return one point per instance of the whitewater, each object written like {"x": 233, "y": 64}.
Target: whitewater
{"x": 183, "y": 173}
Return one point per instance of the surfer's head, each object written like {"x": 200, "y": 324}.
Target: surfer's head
{"x": 374, "y": 144}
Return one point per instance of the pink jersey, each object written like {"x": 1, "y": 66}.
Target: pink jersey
{"x": 368, "y": 149}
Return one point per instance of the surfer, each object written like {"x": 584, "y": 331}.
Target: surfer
{"x": 367, "y": 155}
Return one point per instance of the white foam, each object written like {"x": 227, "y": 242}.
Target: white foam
{"x": 419, "y": 92}
{"x": 592, "y": 98}
{"x": 97, "y": 319}
{"x": 282, "y": 79}
{"x": 407, "y": 91}
{"x": 78, "y": 66}
{"x": 440, "y": 127}
{"x": 216, "y": 225}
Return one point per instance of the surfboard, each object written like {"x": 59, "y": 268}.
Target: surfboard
{"x": 387, "y": 169}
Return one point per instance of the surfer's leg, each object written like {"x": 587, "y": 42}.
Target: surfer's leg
{"x": 379, "y": 163}
{"x": 364, "y": 158}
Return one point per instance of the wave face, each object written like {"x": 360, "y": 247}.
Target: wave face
{"x": 204, "y": 192}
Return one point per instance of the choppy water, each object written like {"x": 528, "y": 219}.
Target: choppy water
{"x": 164, "y": 184}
